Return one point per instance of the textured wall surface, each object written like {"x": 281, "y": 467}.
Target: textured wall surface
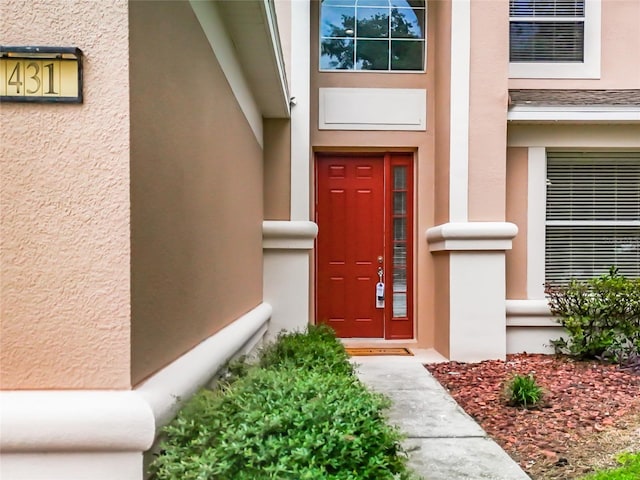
{"x": 196, "y": 190}
{"x": 64, "y": 263}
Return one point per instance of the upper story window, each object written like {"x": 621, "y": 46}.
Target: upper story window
{"x": 380, "y": 35}
{"x": 554, "y": 38}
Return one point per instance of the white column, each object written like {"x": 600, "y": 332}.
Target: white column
{"x": 477, "y": 318}
{"x": 287, "y": 247}
{"x": 459, "y": 114}
{"x": 300, "y": 110}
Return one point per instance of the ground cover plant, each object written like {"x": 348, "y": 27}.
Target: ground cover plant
{"x": 630, "y": 469}
{"x": 298, "y": 413}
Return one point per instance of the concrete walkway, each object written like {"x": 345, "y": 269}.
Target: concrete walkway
{"x": 443, "y": 442}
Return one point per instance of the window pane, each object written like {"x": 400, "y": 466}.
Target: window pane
{"x": 407, "y": 23}
{"x": 399, "y": 203}
{"x": 400, "y": 254}
{"x": 546, "y": 41}
{"x": 373, "y": 22}
{"x": 337, "y": 22}
{"x": 336, "y": 54}
{"x": 593, "y": 214}
{"x": 399, "y": 178}
{"x": 400, "y": 228}
{"x": 584, "y": 252}
{"x": 588, "y": 188}
{"x": 399, "y": 305}
{"x": 373, "y": 3}
{"x": 407, "y": 55}
{"x": 372, "y": 55}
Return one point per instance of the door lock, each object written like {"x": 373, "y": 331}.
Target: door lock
{"x": 380, "y": 259}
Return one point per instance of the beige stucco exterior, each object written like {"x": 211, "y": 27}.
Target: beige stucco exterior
{"x": 516, "y": 212}
{"x": 487, "y": 108}
{"x": 196, "y": 191}
{"x": 166, "y": 224}
{"x": 65, "y": 208}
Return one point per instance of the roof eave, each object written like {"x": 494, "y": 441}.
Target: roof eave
{"x": 253, "y": 28}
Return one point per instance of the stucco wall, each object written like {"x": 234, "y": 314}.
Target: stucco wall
{"x": 620, "y": 42}
{"x": 487, "y": 110}
{"x": 197, "y": 195}
{"x": 65, "y": 207}
{"x": 516, "y": 212}
{"x": 277, "y": 169}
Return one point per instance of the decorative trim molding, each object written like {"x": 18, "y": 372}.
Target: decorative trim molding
{"x": 471, "y": 236}
{"x": 529, "y": 313}
{"x": 536, "y": 215}
{"x": 170, "y": 387}
{"x": 288, "y": 235}
{"x": 592, "y": 114}
{"x": 53, "y": 421}
{"x": 459, "y": 111}
{"x": 300, "y": 90}
{"x": 213, "y": 27}
{"x": 120, "y": 421}
{"x": 372, "y": 109}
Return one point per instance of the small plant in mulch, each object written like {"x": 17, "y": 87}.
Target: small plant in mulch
{"x": 523, "y": 391}
{"x": 601, "y": 317}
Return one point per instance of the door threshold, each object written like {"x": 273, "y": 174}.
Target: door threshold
{"x": 377, "y": 342}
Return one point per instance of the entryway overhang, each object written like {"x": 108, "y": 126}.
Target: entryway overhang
{"x": 253, "y": 28}
{"x": 574, "y": 106}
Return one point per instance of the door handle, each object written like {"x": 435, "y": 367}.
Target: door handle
{"x": 380, "y": 273}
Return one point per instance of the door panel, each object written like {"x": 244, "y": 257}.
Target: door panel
{"x": 364, "y": 213}
{"x": 350, "y": 217}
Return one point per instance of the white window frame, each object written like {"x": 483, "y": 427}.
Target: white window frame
{"x": 536, "y": 216}
{"x": 589, "y": 68}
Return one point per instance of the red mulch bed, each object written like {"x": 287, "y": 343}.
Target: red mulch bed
{"x": 590, "y": 409}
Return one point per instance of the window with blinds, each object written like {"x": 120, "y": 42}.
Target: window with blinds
{"x": 593, "y": 214}
{"x": 546, "y": 30}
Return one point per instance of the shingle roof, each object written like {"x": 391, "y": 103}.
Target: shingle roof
{"x": 550, "y": 97}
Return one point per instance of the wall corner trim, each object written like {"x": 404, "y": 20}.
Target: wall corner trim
{"x": 529, "y": 313}
{"x": 123, "y": 420}
{"x": 471, "y": 236}
{"x": 288, "y": 235}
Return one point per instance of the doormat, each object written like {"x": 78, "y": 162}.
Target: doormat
{"x": 371, "y": 351}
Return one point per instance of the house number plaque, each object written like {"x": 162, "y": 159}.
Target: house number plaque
{"x": 41, "y": 74}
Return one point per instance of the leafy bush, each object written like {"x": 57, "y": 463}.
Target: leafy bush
{"x": 288, "y": 417}
{"x": 629, "y": 470}
{"x": 523, "y": 391}
{"x": 601, "y": 316}
{"x": 315, "y": 348}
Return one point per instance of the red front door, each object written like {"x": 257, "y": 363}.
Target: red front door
{"x": 364, "y": 215}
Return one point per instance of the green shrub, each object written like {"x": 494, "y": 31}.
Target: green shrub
{"x": 285, "y": 418}
{"x": 315, "y": 348}
{"x": 629, "y": 470}
{"x": 601, "y": 317}
{"x": 523, "y": 391}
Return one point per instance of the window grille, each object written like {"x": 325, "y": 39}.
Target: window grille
{"x": 387, "y": 35}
